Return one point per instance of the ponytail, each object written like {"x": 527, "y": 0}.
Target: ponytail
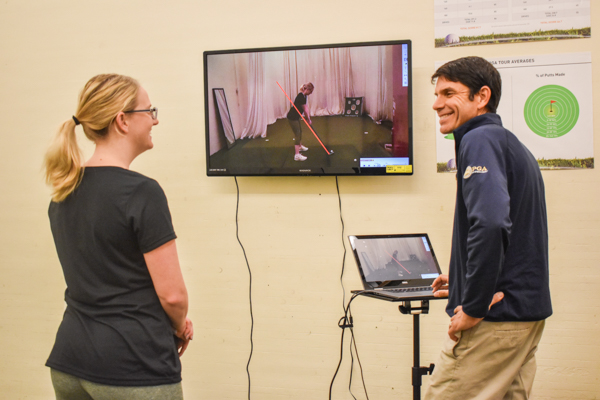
{"x": 101, "y": 99}
{"x": 64, "y": 162}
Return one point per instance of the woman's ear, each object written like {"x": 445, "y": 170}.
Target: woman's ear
{"x": 121, "y": 123}
{"x": 484, "y": 94}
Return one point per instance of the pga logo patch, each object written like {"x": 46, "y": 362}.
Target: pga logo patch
{"x": 474, "y": 170}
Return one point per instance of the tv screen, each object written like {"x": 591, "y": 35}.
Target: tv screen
{"x": 341, "y": 109}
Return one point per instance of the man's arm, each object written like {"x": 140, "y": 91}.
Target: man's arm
{"x": 487, "y": 204}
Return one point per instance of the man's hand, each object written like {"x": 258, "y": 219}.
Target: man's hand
{"x": 440, "y": 286}
{"x": 461, "y": 321}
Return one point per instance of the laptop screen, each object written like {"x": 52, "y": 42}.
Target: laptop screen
{"x": 394, "y": 259}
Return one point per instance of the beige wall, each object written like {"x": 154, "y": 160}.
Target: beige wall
{"x": 290, "y": 227}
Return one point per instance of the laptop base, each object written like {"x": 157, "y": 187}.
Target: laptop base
{"x": 382, "y": 296}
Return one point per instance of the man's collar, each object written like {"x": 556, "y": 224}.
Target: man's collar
{"x": 476, "y": 122}
{"x": 483, "y": 119}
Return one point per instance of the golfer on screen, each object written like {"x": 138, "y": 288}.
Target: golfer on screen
{"x": 294, "y": 118}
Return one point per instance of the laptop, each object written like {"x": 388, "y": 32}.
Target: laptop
{"x": 395, "y": 267}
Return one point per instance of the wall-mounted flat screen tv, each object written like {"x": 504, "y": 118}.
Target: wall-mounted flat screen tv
{"x": 341, "y": 109}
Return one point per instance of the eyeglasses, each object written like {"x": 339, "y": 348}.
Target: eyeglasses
{"x": 153, "y": 111}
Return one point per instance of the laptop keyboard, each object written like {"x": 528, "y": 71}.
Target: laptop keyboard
{"x": 408, "y": 290}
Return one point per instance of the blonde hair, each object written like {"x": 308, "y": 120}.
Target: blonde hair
{"x": 308, "y": 86}
{"x": 101, "y": 99}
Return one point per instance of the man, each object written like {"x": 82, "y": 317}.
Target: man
{"x": 499, "y": 245}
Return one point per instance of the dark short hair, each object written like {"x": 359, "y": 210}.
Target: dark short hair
{"x": 474, "y": 73}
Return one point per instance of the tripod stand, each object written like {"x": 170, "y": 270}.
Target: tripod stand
{"x": 417, "y": 371}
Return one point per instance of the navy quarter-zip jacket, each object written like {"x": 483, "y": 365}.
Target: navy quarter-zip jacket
{"x": 500, "y": 237}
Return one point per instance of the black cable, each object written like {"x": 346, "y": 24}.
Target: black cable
{"x": 343, "y": 243}
{"x": 344, "y": 299}
{"x": 351, "y": 365}
{"x": 346, "y": 318}
{"x": 353, "y": 342}
{"x": 347, "y": 322}
{"x": 250, "y": 285}
{"x": 342, "y": 323}
{"x": 362, "y": 376}
{"x": 340, "y": 362}
{"x": 343, "y": 289}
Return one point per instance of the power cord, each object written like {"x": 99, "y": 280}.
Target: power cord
{"x": 237, "y": 208}
{"x": 353, "y": 342}
{"x": 343, "y": 243}
{"x": 346, "y": 321}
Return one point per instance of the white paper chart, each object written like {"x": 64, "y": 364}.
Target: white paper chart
{"x": 547, "y": 103}
{"x": 473, "y": 22}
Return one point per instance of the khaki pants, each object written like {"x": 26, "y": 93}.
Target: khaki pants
{"x": 491, "y": 361}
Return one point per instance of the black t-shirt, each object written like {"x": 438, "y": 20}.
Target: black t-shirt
{"x": 114, "y": 330}
{"x": 299, "y": 102}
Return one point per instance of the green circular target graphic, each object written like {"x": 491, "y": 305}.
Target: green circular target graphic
{"x": 551, "y": 111}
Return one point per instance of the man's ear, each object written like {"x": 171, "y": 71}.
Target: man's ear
{"x": 121, "y": 123}
{"x": 484, "y": 95}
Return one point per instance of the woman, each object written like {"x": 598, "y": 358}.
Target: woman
{"x": 300, "y": 104}
{"x": 125, "y": 325}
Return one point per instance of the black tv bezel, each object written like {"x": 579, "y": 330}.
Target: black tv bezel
{"x": 365, "y": 171}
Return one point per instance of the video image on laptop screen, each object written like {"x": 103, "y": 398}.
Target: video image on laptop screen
{"x": 391, "y": 259}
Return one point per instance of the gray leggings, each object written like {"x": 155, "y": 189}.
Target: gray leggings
{"x": 297, "y": 128}
{"x": 69, "y": 387}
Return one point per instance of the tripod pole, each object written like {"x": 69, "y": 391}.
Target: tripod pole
{"x": 417, "y": 370}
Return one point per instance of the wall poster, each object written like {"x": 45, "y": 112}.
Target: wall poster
{"x": 547, "y": 103}
{"x": 475, "y": 22}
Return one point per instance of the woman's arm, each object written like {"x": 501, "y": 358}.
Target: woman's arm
{"x": 307, "y": 114}
{"x": 163, "y": 265}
